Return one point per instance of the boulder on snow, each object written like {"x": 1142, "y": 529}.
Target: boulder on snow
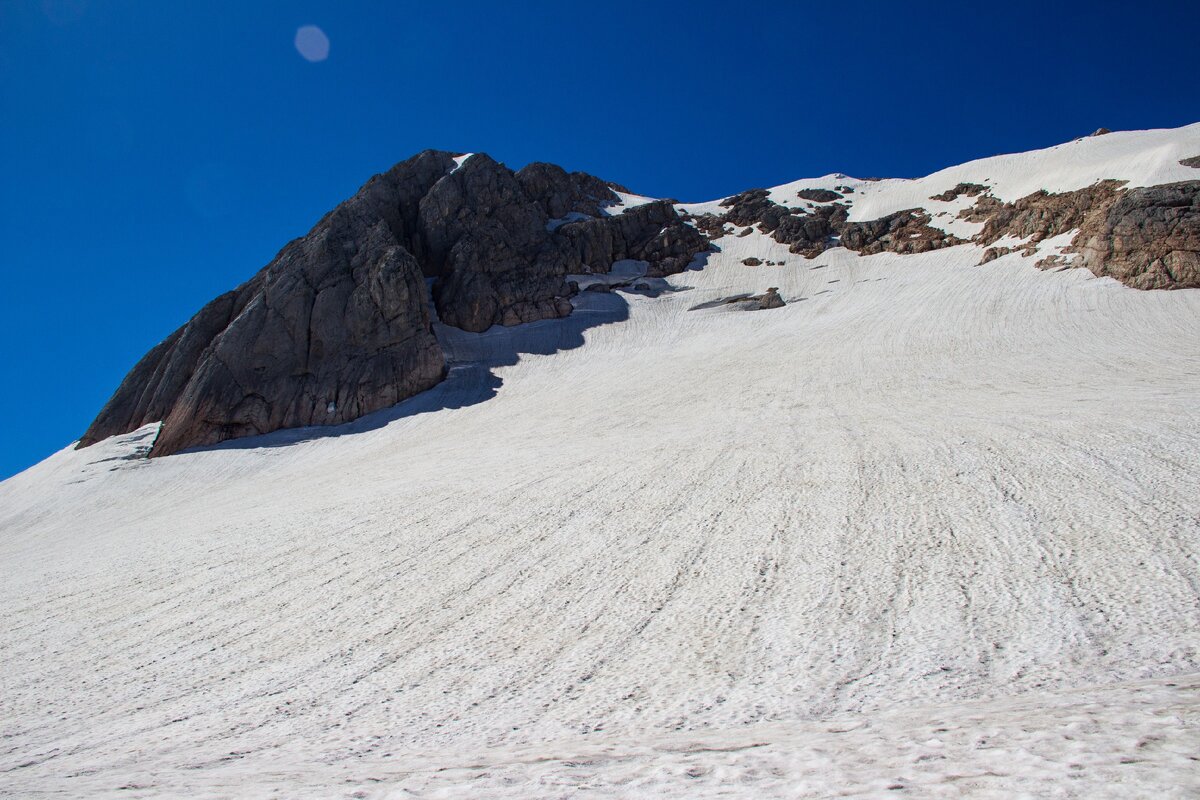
{"x": 745, "y": 302}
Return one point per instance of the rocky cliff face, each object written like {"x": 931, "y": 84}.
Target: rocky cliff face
{"x": 339, "y": 325}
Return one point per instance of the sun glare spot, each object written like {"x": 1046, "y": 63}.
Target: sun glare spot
{"x": 312, "y": 43}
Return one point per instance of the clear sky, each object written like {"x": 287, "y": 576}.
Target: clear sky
{"x": 155, "y": 154}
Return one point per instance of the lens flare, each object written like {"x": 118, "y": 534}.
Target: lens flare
{"x": 312, "y": 43}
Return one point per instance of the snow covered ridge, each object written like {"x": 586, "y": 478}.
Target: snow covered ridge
{"x": 920, "y": 527}
{"x": 1131, "y": 201}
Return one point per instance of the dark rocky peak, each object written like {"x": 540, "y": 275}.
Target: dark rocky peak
{"x": 338, "y": 324}
{"x": 561, "y": 193}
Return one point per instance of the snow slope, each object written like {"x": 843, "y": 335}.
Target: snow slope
{"x": 930, "y": 525}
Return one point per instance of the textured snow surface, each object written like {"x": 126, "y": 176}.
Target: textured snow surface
{"x": 1141, "y": 158}
{"x": 930, "y": 525}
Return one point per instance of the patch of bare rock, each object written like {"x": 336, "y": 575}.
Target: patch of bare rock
{"x": 810, "y": 232}
{"x": 967, "y": 189}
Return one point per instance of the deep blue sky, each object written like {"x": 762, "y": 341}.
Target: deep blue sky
{"x": 155, "y": 154}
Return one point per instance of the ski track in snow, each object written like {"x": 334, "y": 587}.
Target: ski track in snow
{"x": 930, "y": 525}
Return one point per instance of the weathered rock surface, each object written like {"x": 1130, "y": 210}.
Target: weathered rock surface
{"x": 1193, "y": 162}
{"x": 338, "y": 325}
{"x": 1040, "y": 215}
{"x": 1149, "y": 238}
{"x": 1145, "y": 237}
{"x": 903, "y": 232}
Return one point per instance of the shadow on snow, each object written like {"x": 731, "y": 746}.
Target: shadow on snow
{"x": 471, "y": 360}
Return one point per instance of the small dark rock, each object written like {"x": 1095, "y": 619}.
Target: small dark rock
{"x": 770, "y": 299}
{"x": 968, "y": 189}
{"x": 818, "y": 195}
{"x": 992, "y": 253}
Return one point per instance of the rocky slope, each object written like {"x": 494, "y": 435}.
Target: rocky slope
{"x": 1145, "y": 237}
{"x": 340, "y": 323}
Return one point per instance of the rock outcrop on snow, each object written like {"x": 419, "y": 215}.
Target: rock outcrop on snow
{"x": 338, "y": 325}
{"x": 1145, "y": 237}
{"x": 968, "y": 189}
{"x": 810, "y": 232}
{"x": 1149, "y": 238}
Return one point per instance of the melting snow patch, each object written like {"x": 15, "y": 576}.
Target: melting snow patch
{"x": 574, "y": 216}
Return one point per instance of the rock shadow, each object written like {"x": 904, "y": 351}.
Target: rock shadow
{"x": 471, "y": 361}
